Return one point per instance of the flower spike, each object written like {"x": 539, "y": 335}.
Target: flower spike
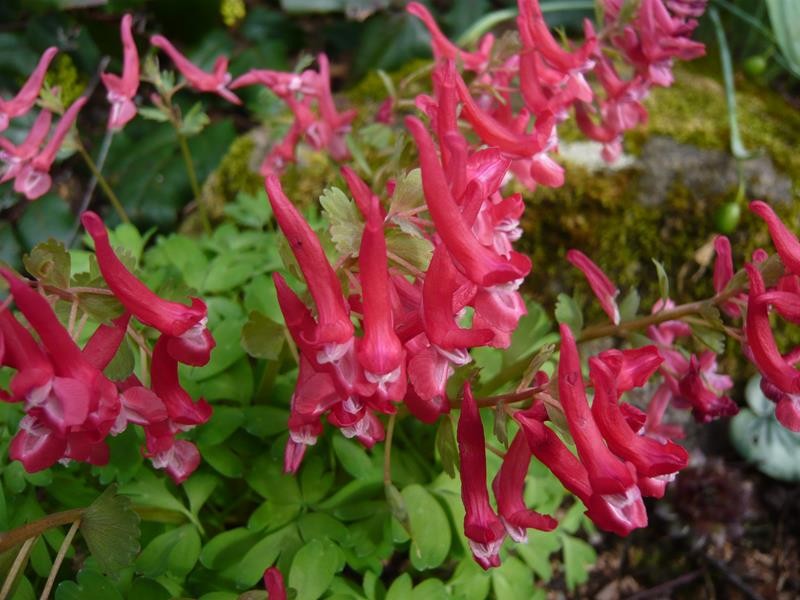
{"x": 334, "y": 326}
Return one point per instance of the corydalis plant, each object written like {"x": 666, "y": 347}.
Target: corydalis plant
{"x": 71, "y": 406}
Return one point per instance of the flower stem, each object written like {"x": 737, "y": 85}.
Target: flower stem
{"x": 62, "y": 552}
{"x": 187, "y": 159}
{"x": 31, "y": 530}
{"x": 112, "y": 197}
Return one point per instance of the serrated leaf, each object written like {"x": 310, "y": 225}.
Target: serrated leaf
{"x": 663, "y": 280}
{"x": 407, "y": 193}
{"x": 414, "y": 250}
{"x": 91, "y": 585}
{"x": 446, "y": 445}
{"x": 713, "y": 339}
{"x": 194, "y": 121}
{"x": 111, "y": 530}
{"x": 262, "y": 337}
{"x": 345, "y": 221}
{"x": 49, "y": 262}
{"x": 153, "y": 114}
{"x": 711, "y": 315}
{"x": 568, "y": 312}
{"x": 629, "y": 305}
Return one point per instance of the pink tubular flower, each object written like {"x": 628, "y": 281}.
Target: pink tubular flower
{"x": 380, "y": 352}
{"x": 26, "y": 97}
{"x": 478, "y": 263}
{"x": 786, "y": 243}
{"x": 607, "y": 473}
{"x": 702, "y": 388}
{"x": 631, "y": 368}
{"x": 618, "y": 513}
{"x": 444, "y": 48}
{"x": 650, "y": 457}
{"x": 122, "y": 90}
{"x": 78, "y": 404}
{"x": 189, "y": 339}
{"x": 333, "y": 320}
{"x": 509, "y": 485}
{"x": 164, "y": 375}
{"x": 16, "y": 157}
{"x": 215, "y": 82}
{"x": 601, "y": 285}
{"x": 273, "y": 581}
{"x": 767, "y": 357}
{"x": 34, "y": 179}
{"x": 483, "y": 528}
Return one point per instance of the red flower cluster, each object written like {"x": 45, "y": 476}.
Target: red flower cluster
{"x": 316, "y": 118}
{"x": 71, "y": 406}
{"x": 780, "y": 379}
{"x": 617, "y": 460}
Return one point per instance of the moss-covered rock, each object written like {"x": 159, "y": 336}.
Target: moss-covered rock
{"x": 662, "y": 205}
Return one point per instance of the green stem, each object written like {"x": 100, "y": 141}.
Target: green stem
{"x": 387, "y": 451}
{"x": 62, "y": 552}
{"x": 104, "y": 185}
{"x": 16, "y": 568}
{"x": 187, "y": 159}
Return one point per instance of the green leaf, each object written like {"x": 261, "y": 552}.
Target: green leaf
{"x": 313, "y": 569}
{"x": 536, "y": 553}
{"x": 264, "y": 421}
{"x": 262, "y": 337}
{"x": 469, "y": 581}
{"x": 91, "y": 586}
{"x": 578, "y": 560}
{"x": 154, "y": 114}
{"x": 250, "y": 210}
{"x": 227, "y": 548}
{"x": 762, "y": 440}
{"x": 249, "y": 569}
{"x": 414, "y": 250}
{"x": 501, "y": 424}
{"x": 174, "y": 552}
{"x": 353, "y": 458}
{"x": 784, "y": 16}
{"x": 568, "y": 312}
{"x": 148, "y": 490}
{"x": 111, "y": 530}
{"x": 663, "y": 280}
{"x": 122, "y": 364}
{"x": 629, "y": 305}
{"x": 231, "y": 270}
{"x": 50, "y": 263}
{"x": 430, "y": 528}
{"x": 198, "y": 488}
{"x": 224, "y": 421}
{"x": 446, "y": 445}
{"x": 711, "y": 338}
{"x": 345, "y": 220}
{"x": 223, "y": 460}
{"x": 194, "y": 121}
{"x": 512, "y": 580}
{"x": 401, "y": 588}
